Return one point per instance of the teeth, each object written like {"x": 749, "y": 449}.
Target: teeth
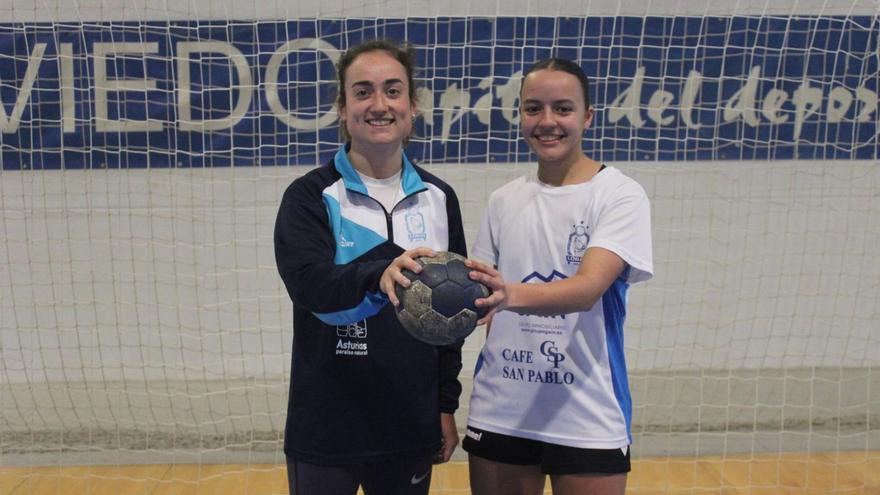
{"x": 379, "y": 121}
{"x": 549, "y": 138}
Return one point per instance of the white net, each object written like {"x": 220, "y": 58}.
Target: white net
{"x": 145, "y": 146}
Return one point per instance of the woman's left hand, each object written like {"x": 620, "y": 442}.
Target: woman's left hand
{"x": 491, "y": 278}
{"x": 450, "y": 438}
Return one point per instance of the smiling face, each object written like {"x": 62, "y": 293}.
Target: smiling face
{"x": 553, "y": 116}
{"x": 378, "y": 110}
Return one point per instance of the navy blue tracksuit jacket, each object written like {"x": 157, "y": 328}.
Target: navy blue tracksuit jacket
{"x": 362, "y": 389}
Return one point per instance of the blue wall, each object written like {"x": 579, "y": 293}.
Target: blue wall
{"x": 742, "y": 73}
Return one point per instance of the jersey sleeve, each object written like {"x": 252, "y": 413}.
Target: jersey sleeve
{"x": 485, "y": 246}
{"x": 304, "y": 250}
{"x": 624, "y": 228}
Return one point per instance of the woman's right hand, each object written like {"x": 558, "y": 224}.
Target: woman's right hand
{"x": 394, "y": 273}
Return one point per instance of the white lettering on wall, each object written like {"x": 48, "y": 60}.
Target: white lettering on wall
{"x": 274, "y": 66}
{"x": 807, "y": 101}
{"x": 245, "y": 85}
{"x": 772, "y": 107}
{"x": 689, "y": 97}
{"x": 68, "y": 103}
{"x": 103, "y": 85}
{"x": 744, "y": 104}
{"x": 758, "y": 99}
{"x": 628, "y": 105}
{"x": 454, "y": 103}
{"x": 9, "y": 123}
{"x": 869, "y": 100}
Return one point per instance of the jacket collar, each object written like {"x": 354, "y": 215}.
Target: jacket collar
{"x": 409, "y": 178}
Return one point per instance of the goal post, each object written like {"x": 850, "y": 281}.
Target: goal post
{"x": 144, "y": 147}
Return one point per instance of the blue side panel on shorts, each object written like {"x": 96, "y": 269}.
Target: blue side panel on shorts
{"x": 614, "y": 307}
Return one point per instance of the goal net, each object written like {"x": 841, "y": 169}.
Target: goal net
{"x": 145, "y": 146}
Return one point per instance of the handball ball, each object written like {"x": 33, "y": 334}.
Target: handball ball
{"x": 438, "y": 306}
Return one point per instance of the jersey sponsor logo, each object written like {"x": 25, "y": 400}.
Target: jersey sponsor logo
{"x": 474, "y": 435}
{"x": 347, "y": 347}
{"x": 545, "y": 325}
{"x": 577, "y": 243}
{"x": 345, "y": 243}
{"x": 415, "y": 480}
{"x": 553, "y": 377}
{"x": 415, "y": 226}
{"x": 357, "y": 330}
{"x": 542, "y": 324}
{"x": 539, "y": 277}
{"x": 517, "y": 355}
{"x": 548, "y": 348}
{"x": 522, "y": 364}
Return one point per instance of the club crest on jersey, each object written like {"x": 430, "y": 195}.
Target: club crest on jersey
{"x": 577, "y": 244}
{"x": 415, "y": 226}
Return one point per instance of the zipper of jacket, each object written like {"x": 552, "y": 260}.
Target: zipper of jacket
{"x": 389, "y": 223}
{"x": 389, "y": 218}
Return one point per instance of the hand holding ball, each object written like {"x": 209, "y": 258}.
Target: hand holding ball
{"x": 438, "y": 306}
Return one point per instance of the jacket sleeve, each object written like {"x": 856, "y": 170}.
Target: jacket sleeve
{"x": 304, "y": 251}
{"x": 450, "y": 356}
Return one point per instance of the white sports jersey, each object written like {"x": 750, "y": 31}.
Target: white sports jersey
{"x": 561, "y": 379}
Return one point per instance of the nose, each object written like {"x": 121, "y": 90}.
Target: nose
{"x": 545, "y": 119}
{"x": 379, "y": 103}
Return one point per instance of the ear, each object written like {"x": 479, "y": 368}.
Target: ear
{"x": 340, "y": 113}
{"x": 588, "y": 117}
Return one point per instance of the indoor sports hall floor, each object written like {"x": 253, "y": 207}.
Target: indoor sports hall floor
{"x": 773, "y": 474}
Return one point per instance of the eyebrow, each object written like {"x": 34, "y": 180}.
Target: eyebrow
{"x": 535, "y": 100}
{"x": 387, "y": 82}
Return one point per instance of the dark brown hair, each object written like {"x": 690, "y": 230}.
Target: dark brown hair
{"x": 563, "y": 65}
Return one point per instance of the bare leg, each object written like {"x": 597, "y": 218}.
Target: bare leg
{"x": 493, "y": 478}
{"x": 592, "y": 484}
